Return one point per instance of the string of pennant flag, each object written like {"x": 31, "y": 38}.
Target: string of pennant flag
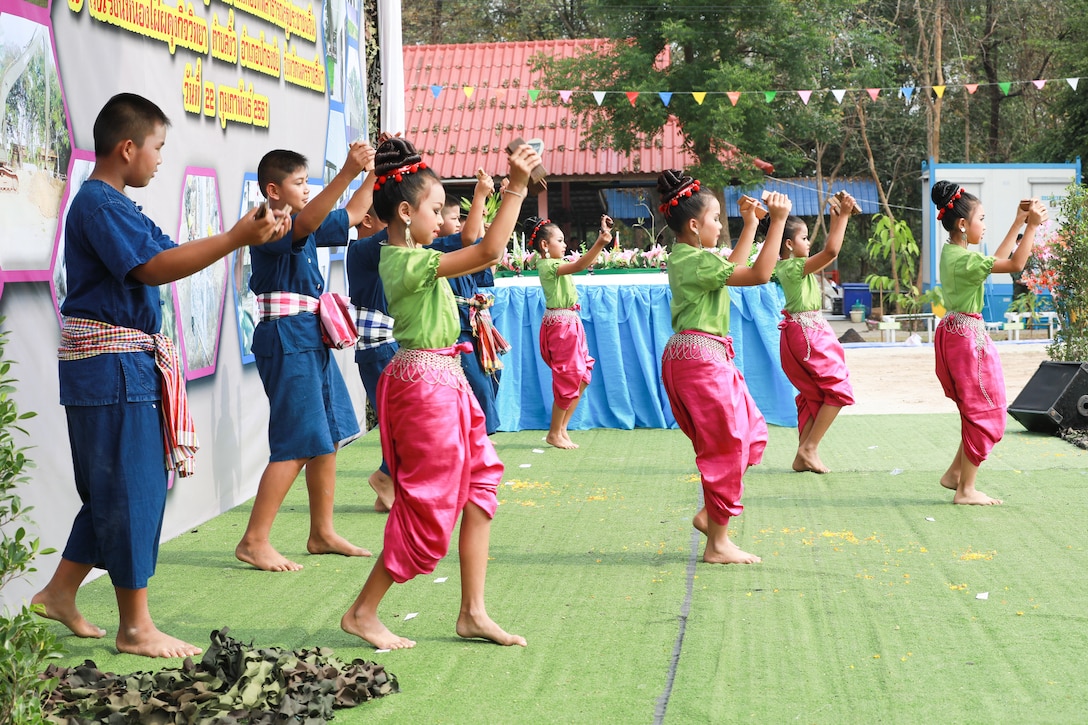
{"x": 907, "y": 92}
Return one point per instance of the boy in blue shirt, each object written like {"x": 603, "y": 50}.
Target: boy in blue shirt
{"x": 310, "y": 413}
{"x": 121, "y": 382}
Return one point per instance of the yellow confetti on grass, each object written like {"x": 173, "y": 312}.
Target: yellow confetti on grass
{"x": 972, "y": 555}
{"x": 956, "y": 587}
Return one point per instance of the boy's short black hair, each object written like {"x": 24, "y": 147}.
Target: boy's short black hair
{"x": 125, "y": 116}
{"x": 452, "y": 200}
{"x": 277, "y": 165}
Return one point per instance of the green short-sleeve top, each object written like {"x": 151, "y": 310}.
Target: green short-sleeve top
{"x": 558, "y": 288}
{"x": 420, "y": 302}
{"x": 700, "y": 298}
{"x": 963, "y": 273}
{"x": 801, "y": 290}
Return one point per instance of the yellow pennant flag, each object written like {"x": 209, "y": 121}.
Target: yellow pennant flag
{"x": 469, "y": 90}
{"x": 939, "y": 90}
{"x": 699, "y": 96}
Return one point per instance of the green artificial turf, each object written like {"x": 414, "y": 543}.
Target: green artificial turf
{"x": 865, "y": 608}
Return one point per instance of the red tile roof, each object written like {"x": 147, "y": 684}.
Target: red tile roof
{"x": 458, "y": 132}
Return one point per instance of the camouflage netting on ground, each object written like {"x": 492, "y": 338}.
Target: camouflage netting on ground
{"x": 234, "y": 683}
{"x": 1076, "y": 436}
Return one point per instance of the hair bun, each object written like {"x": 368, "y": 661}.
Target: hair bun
{"x": 942, "y": 192}
{"x": 529, "y": 225}
{"x": 394, "y": 153}
{"x": 670, "y": 181}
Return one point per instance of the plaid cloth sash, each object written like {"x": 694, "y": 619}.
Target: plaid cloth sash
{"x": 491, "y": 343}
{"x": 274, "y": 305}
{"x": 82, "y": 338}
{"x": 375, "y": 328}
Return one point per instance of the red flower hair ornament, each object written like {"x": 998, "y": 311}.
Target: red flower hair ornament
{"x": 399, "y": 173}
{"x": 685, "y": 191}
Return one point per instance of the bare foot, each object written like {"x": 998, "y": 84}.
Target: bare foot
{"x": 950, "y": 482}
{"x": 728, "y": 554}
{"x": 570, "y": 443}
{"x": 265, "y": 558}
{"x": 482, "y": 626}
{"x": 383, "y": 486}
{"x": 975, "y": 498}
{"x": 380, "y": 507}
{"x": 66, "y": 612}
{"x": 335, "y": 544}
{"x": 559, "y": 442}
{"x": 701, "y": 521}
{"x": 809, "y": 463}
{"x": 371, "y": 630}
{"x": 153, "y": 643}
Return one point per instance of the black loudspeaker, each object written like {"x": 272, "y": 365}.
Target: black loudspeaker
{"x": 1055, "y": 397}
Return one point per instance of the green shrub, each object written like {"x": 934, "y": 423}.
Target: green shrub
{"x": 26, "y": 638}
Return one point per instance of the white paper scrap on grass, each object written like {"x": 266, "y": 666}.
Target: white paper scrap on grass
{"x": 538, "y": 450}
{"x": 410, "y": 615}
{"x": 930, "y": 518}
{"x": 873, "y": 448}
{"x": 441, "y": 580}
{"x": 526, "y": 465}
{"x": 896, "y": 471}
{"x": 509, "y": 483}
{"x": 982, "y": 595}
{"x": 379, "y": 651}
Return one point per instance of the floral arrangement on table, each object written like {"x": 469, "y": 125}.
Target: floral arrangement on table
{"x": 1059, "y": 265}
{"x": 518, "y": 260}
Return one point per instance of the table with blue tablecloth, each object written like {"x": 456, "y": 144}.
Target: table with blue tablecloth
{"x": 627, "y": 324}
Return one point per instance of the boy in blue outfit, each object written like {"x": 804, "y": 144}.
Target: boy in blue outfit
{"x": 121, "y": 382}
{"x": 310, "y": 413}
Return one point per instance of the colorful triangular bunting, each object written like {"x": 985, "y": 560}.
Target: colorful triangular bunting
{"x": 665, "y": 98}
{"x": 873, "y": 92}
{"x": 805, "y": 95}
{"x": 565, "y": 96}
{"x": 939, "y": 90}
{"x": 435, "y": 90}
{"x": 598, "y": 96}
{"x": 839, "y": 94}
{"x": 907, "y": 92}
{"x": 1072, "y": 82}
{"x": 632, "y": 96}
{"x": 734, "y": 96}
{"x": 469, "y": 90}
{"x": 1039, "y": 83}
{"x": 1005, "y": 86}
{"x": 769, "y": 95}
{"x": 533, "y": 93}
{"x": 699, "y": 96}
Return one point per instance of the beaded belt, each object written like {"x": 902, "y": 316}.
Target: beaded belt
{"x": 435, "y": 367}
{"x": 808, "y": 320}
{"x": 970, "y": 325}
{"x": 698, "y": 346}
{"x": 560, "y": 315}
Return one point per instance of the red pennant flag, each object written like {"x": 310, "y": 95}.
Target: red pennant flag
{"x": 734, "y": 96}
{"x": 873, "y": 92}
{"x": 971, "y": 87}
{"x": 632, "y": 96}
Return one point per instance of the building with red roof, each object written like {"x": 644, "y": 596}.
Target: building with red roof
{"x": 465, "y": 103}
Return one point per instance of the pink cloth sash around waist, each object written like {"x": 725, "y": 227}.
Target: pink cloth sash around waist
{"x": 82, "y": 338}
{"x": 274, "y": 305}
